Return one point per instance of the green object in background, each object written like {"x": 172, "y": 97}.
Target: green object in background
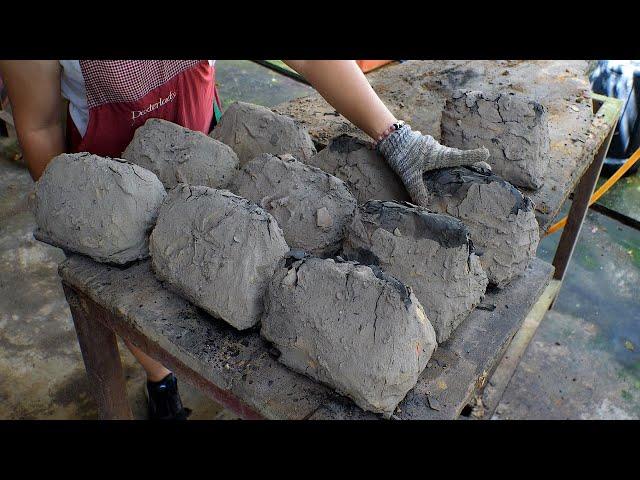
{"x": 624, "y": 196}
{"x": 216, "y": 112}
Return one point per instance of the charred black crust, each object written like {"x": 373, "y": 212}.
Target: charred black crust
{"x": 448, "y": 181}
{"x": 363, "y": 256}
{"x": 346, "y": 144}
{"x": 444, "y": 229}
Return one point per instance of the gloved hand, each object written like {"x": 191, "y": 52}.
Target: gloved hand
{"x": 410, "y": 154}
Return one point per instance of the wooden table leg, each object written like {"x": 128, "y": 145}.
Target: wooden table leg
{"x": 578, "y": 211}
{"x": 101, "y": 357}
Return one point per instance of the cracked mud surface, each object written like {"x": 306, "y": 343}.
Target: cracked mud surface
{"x": 427, "y": 251}
{"x": 312, "y": 207}
{"x": 179, "y": 155}
{"x": 364, "y": 171}
{"x": 251, "y": 130}
{"x": 513, "y": 127}
{"x": 217, "y": 250}
{"x": 499, "y": 217}
{"x": 360, "y": 331}
{"x": 98, "y": 206}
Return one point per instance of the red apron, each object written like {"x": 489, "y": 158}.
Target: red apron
{"x": 124, "y": 94}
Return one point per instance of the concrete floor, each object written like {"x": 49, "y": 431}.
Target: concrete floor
{"x": 249, "y": 82}
{"x": 624, "y": 196}
{"x": 584, "y": 361}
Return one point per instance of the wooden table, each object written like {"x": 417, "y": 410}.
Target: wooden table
{"x": 237, "y": 369}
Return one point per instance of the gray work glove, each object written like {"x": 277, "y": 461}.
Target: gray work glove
{"x": 410, "y": 154}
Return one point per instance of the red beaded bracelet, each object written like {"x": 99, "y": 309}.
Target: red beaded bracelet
{"x": 389, "y": 130}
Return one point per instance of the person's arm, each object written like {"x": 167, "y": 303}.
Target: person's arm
{"x": 34, "y": 92}
{"x": 409, "y": 153}
{"x": 343, "y": 85}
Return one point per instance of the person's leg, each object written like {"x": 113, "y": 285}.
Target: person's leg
{"x": 155, "y": 370}
{"x": 164, "y": 402}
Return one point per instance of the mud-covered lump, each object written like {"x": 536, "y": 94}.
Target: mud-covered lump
{"x": 354, "y": 328}
{"x": 98, "y": 206}
{"x": 513, "y": 127}
{"x": 366, "y": 173}
{"x": 311, "y": 206}
{"x": 500, "y": 218}
{"x": 179, "y": 155}
{"x": 252, "y": 129}
{"x": 217, "y": 250}
{"x": 430, "y": 252}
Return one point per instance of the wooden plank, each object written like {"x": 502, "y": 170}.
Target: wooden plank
{"x": 462, "y": 364}
{"x": 578, "y": 211}
{"x": 101, "y": 357}
{"x": 240, "y": 365}
{"x": 608, "y": 108}
{"x": 415, "y": 91}
{"x": 501, "y": 377}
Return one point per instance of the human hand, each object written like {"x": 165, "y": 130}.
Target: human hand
{"x": 410, "y": 154}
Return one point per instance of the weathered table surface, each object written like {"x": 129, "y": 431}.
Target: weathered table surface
{"x": 415, "y": 91}
{"x": 241, "y": 367}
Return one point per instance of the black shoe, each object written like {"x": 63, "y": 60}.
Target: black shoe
{"x": 164, "y": 401}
